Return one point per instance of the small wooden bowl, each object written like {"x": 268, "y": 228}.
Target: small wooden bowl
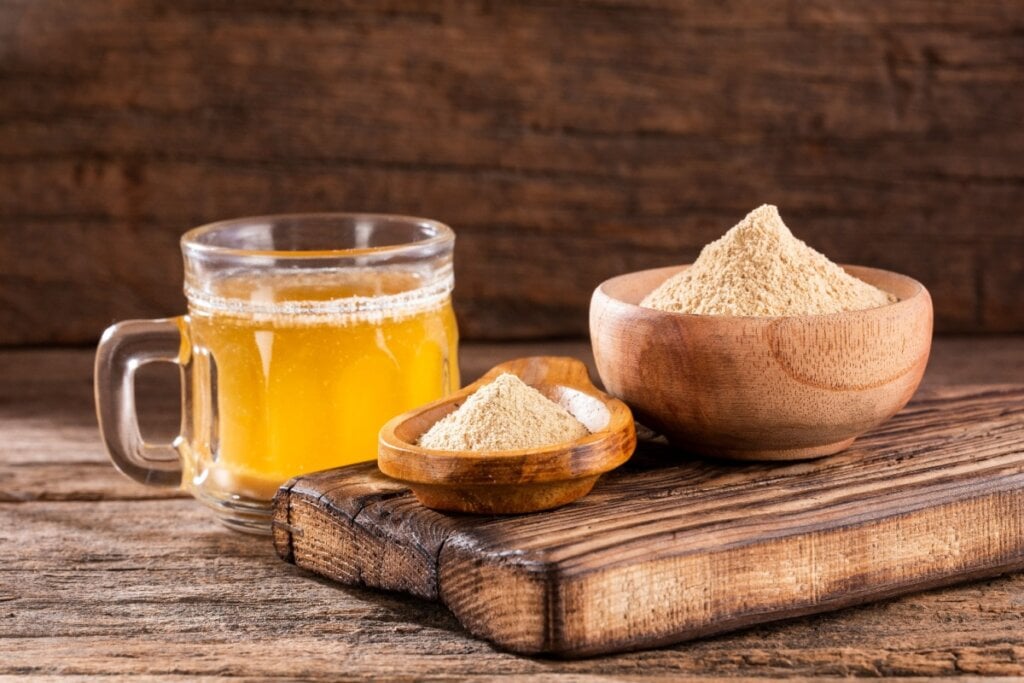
{"x": 750, "y": 388}
{"x": 512, "y": 482}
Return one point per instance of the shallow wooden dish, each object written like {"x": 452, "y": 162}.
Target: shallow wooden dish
{"x": 753, "y": 388}
{"x": 511, "y": 482}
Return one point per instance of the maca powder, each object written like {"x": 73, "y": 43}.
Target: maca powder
{"x": 759, "y": 268}
{"x": 504, "y": 415}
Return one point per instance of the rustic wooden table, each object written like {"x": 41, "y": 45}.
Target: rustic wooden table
{"x": 99, "y": 575}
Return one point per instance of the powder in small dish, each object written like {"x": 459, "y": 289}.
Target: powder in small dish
{"x": 504, "y": 415}
{"x": 759, "y": 268}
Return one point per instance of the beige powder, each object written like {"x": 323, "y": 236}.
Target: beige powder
{"x": 759, "y": 268}
{"x": 504, "y": 415}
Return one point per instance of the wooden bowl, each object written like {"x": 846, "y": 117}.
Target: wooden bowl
{"x": 510, "y": 482}
{"x": 750, "y": 388}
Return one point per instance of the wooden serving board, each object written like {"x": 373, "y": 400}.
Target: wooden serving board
{"x": 669, "y": 547}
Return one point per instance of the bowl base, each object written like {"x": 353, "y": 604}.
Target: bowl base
{"x": 772, "y": 454}
{"x": 498, "y": 499}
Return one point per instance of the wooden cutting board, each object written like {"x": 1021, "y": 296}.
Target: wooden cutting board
{"x": 669, "y": 547}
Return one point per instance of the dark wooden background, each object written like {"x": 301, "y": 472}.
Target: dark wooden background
{"x": 564, "y": 141}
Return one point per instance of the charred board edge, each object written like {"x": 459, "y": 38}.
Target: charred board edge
{"x": 563, "y": 598}
{"x": 544, "y": 594}
{"x": 965, "y": 521}
{"x": 319, "y": 532}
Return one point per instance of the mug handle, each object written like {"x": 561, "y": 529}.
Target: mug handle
{"x": 123, "y": 348}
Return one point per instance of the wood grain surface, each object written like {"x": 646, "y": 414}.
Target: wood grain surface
{"x": 669, "y": 547}
{"x": 566, "y": 142}
{"x": 99, "y": 575}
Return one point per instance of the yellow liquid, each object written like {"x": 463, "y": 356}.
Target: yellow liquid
{"x": 301, "y": 393}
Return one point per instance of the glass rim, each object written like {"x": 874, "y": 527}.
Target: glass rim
{"x": 190, "y": 240}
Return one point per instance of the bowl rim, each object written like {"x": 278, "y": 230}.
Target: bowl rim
{"x": 919, "y": 291}
{"x": 586, "y": 457}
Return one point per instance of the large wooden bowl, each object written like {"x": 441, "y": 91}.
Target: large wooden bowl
{"x": 751, "y": 388}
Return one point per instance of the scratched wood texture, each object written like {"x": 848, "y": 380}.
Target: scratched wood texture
{"x": 566, "y": 142}
{"x": 670, "y": 548}
{"x": 99, "y": 575}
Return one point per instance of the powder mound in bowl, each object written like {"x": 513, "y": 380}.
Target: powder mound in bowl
{"x": 759, "y": 268}
{"x": 504, "y": 415}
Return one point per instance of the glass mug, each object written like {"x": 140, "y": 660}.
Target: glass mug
{"x": 305, "y": 334}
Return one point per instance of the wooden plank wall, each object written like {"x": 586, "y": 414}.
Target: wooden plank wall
{"x": 565, "y": 141}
